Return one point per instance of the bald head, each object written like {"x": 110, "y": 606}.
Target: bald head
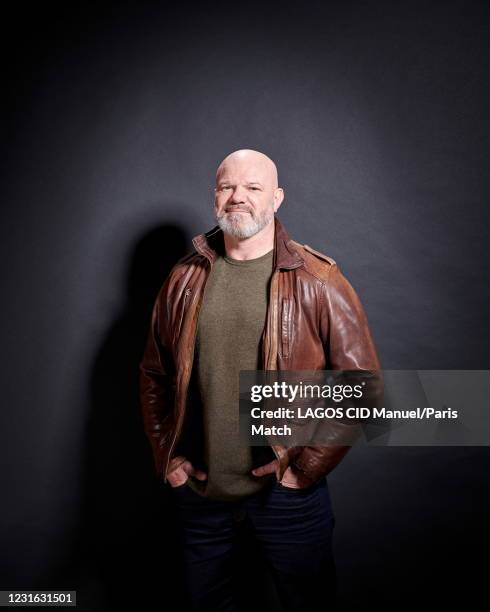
{"x": 249, "y": 164}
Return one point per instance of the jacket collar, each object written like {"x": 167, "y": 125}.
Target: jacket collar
{"x": 211, "y": 244}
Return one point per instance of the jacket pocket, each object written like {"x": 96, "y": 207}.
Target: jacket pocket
{"x": 286, "y": 326}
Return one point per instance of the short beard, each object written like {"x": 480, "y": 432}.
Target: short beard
{"x": 235, "y": 225}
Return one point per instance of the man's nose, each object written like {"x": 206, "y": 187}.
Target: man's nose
{"x": 239, "y": 195}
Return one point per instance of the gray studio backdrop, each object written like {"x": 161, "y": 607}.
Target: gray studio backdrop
{"x": 376, "y": 115}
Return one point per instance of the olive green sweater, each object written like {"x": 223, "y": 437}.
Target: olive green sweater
{"x": 229, "y": 334}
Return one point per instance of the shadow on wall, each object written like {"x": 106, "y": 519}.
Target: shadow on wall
{"x": 127, "y": 537}
{"x": 126, "y": 548}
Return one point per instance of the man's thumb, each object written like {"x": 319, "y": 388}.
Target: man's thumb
{"x": 200, "y": 475}
{"x": 268, "y": 468}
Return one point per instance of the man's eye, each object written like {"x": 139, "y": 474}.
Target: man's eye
{"x": 255, "y": 188}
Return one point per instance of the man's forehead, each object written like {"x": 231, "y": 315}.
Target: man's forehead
{"x": 248, "y": 175}
{"x": 252, "y": 170}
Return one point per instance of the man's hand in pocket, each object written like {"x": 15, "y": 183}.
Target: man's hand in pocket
{"x": 180, "y": 469}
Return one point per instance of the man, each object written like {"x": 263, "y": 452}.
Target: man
{"x": 248, "y": 298}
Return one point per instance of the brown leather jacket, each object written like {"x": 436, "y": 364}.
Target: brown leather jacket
{"x": 314, "y": 321}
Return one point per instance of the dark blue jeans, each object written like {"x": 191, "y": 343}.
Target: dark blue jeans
{"x": 294, "y": 531}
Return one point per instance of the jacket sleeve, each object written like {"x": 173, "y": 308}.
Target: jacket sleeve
{"x": 157, "y": 381}
{"x": 348, "y": 346}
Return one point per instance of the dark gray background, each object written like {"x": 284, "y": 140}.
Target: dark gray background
{"x": 117, "y": 115}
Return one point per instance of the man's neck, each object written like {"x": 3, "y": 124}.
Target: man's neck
{"x": 250, "y": 248}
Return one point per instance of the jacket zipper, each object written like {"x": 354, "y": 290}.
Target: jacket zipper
{"x": 273, "y": 336}
{"x": 270, "y": 364}
{"x": 198, "y": 309}
{"x": 285, "y": 327}
{"x": 187, "y": 292}
{"x": 186, "y": 296}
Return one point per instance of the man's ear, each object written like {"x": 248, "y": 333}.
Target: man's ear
{"x": 278, "y": 197}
